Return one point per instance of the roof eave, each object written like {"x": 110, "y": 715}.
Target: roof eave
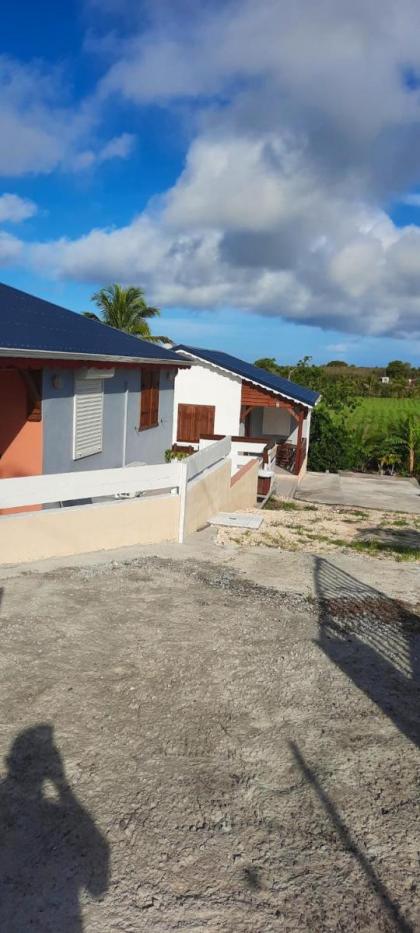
{"x": 261, "y": 385}
{"x": 100, "y": 357}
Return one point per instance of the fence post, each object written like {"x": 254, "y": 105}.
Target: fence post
{"x": 183, "y": 480}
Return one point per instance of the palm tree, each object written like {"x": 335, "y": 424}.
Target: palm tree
{"x": 406, "y": 441}
{"x": 125, "y": 309}
{"x": 400, "y": 447}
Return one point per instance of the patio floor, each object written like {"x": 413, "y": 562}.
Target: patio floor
{"x": 360, "y": 489}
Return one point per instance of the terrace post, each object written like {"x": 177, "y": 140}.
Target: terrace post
{"x": 298, "y": 461}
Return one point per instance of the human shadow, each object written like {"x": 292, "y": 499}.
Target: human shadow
{"x": 50, "y": 848}
{"x": 375, "y": 641}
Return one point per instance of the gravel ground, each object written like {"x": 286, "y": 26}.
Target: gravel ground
{"x": 186, "y": 750}
{"x": 296, "y": 526}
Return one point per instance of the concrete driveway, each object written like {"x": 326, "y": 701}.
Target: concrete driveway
{"x": 361, "y": 490}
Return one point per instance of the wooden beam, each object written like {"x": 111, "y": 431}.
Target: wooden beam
{"x": 298, "y": 463}
{"x": 256, "y": 397}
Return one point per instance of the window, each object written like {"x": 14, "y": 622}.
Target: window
{"x": 194, "y": 421}
{"x": 149, "y": 398}
{"x": 88, "y": 417}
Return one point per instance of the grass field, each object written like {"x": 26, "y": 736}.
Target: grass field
{"x": 378, "y": 416}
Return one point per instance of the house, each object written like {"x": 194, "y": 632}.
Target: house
{"x": 77, "y": 395}
{"x": 224, "y": 395}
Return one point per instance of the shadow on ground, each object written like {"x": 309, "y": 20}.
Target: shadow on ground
{"x": 395, "y": 537}
{"x": 50, "y": 848}
{"x": 390, "y": 907}
{"x": 375, "y": 641}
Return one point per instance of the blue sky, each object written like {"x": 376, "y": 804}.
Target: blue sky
{"x": 254, "y": 166}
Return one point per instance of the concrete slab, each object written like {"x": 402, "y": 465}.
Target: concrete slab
{"x": 236, "y": 520}
{"x": 284, "y": 484}
{"x": 361, "y": 490}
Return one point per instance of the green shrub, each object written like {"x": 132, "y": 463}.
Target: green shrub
{"x": 175, "y": 455}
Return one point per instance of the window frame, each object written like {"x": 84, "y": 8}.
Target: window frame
{"x": 99, "y": 449}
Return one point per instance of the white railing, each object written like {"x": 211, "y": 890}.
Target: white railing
{"x": 243, "y": 450}
{"x": 208, "y": 455}
{"x": 88, "y": 485}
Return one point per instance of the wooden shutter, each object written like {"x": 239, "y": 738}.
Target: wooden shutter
{"x": 149, "y": 398}
{"x": 155, "y": 396}
{"x": 88, "y": 417}
{"x": 194, "y": 421}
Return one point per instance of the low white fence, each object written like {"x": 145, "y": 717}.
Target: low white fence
{"x": 210, "y": 453}
{"x": 87, "y": 484}
{"x": 243, "y": 450}
{"x": 92, "y": 485}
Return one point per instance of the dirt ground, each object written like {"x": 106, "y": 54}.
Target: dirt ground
{"x": 185, "y": 750}
{"x": 297, "y": 526}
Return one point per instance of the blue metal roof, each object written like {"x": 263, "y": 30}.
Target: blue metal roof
{"x": 255, "y": 374}
{"x": 34, "y": 326}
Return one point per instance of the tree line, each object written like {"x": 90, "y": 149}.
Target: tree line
{"x": 335, "y": 445}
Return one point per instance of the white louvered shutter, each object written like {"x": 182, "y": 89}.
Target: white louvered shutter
{"x": 88, "y": 417}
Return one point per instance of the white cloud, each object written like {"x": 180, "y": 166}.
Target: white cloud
{"x": 14, "y": 209}
{"x": 10, "y": 248}
{"x": 304, "y": 124}
{"x": 341, "y": 349}
{"x": 39, "y": 133}
{"x": 119, "y": 147}
{"x": 307, "y": 252}
{"x": 413, "y": 200}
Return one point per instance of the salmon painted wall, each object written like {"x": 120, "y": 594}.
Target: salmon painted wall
{"x": 20, "y": 440}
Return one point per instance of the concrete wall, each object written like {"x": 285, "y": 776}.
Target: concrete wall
{"x": 144, "y": 446}
{"x": 243, "y": 487}
{"x": 205, "y": 385}
{"x": 145, "y": 520}
{"x": 207, "y": 494}
{"x": 271, "y": 422}
{"x": 61, "y": 532}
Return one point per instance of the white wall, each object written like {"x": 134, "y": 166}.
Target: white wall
{"x": 306, "y": 427}
{"x": 205, "y": 385}
{"x": 276, "y": 421}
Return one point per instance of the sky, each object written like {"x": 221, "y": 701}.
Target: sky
{"x": 255, "y": 167}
